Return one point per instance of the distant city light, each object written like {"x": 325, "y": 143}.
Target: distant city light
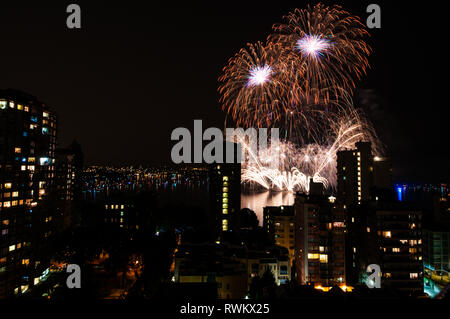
{"x": 399, "y": 193}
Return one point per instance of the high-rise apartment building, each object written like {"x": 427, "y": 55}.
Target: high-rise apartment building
{"x": 64, "y": 186}
{"x": 389, "y": 235}
{"x": 27, "y": 171}
{"x": 319, "y": 241}
{"x": 225, "y": 195}
{"x": 279, "y": 223}
{"x": 362, "y": 176}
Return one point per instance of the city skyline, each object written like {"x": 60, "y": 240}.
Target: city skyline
{"x": 142, "y": 54}
{"x": 121, "y": 175}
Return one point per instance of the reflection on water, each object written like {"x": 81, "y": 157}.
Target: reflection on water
{"x": 189, "y": 188}
{"x": 256, "y": 201}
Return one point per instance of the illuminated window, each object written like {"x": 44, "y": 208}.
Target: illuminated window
{"x": 20, "y": 107}
{"x": 17, "y": 150}
{"x": 224, "y": 224}
{"x": 225, "y": 178}
{"x": 44, "y": 161}
{"x": 387, "y": 234}
{"x": 12, "y": 247}
{"x": 323, "y": 258}
{"x": 45, "y": 114}
{"x": 388, "y": 275}
{"x": 395, "y": 250}
{"x": 225, "y": 189}
{"x": 225, "y": 200}
{"x": 225, "y": 211}
{"x": 15, "y": 194}
{"x": 8, "y": 185}
{"x": 413, "y": 275}
{"x": 313, "y": 256}
{"x": 413, "y": 250}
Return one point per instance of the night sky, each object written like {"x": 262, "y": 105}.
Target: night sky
{"x": 135, "y": 72}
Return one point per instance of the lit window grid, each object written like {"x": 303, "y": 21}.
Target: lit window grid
{"x": 225, "y": 197}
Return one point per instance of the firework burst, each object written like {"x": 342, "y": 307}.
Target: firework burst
{"x": 296, "y": 165}
{"x": 302, "y": 82}
{"x": 253, "y": 85}
{"x": 330, "y": 49}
